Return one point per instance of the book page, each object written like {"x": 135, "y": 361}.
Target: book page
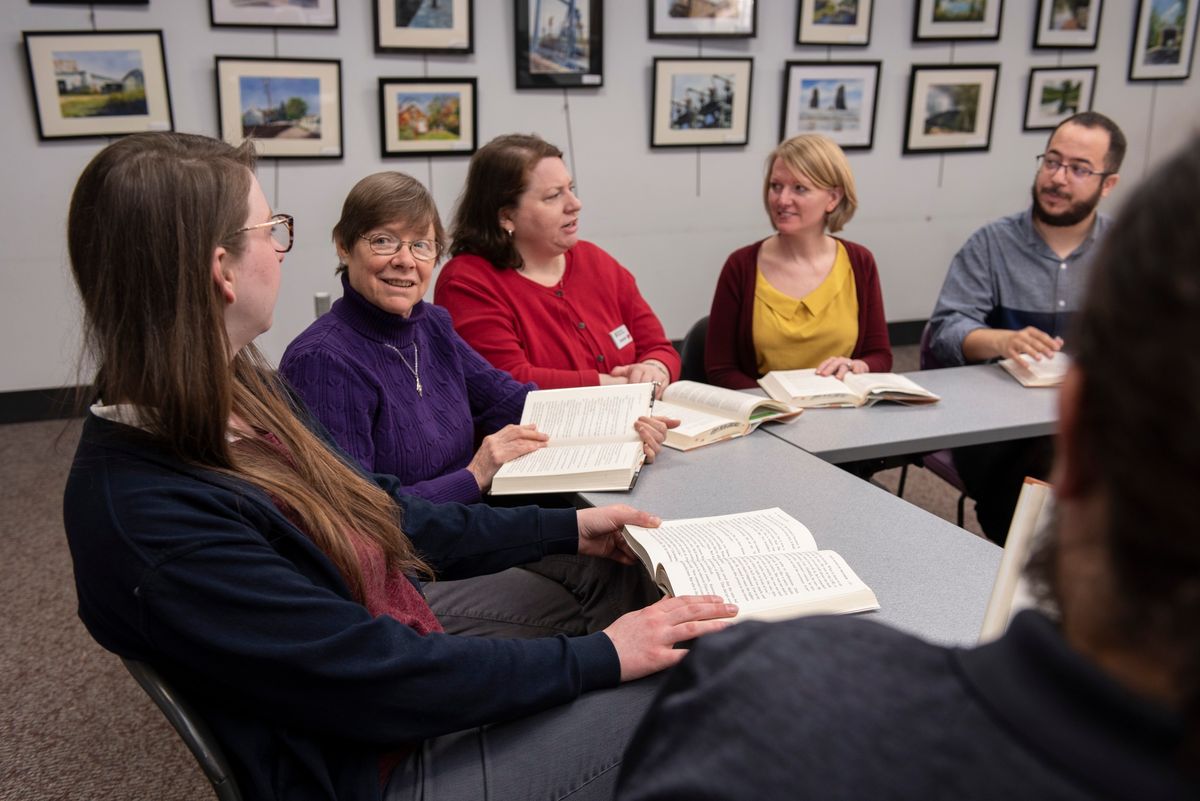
{"x": 693, "y": 422}
{"x": 866, "y": 383}
{"x": 573, "y": 459}
{"x": 806, "y": 384}
{"x": 588, "y": 414}
{"x": 732, "y": 403}
{"x": 745, "y": 533}
{"x": 1010, "y": 592}
{"x": 1044, "y": 372}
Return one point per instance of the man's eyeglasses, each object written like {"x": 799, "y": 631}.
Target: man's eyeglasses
{"x": 388, "y": 245}
{"x": 1051, "y": 164}
{"x": 282, "y": 230}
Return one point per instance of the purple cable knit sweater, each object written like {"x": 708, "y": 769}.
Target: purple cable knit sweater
{"x": 366, "y": 396}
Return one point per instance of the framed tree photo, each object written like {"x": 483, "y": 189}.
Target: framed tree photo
{"x": 274, "y": 14}
{"x": 834, "y": 98}
{"x": 834, "y": 22}
{"x": 1067, "y": 23}
{"x": 559, "y": 43}
{"x": 1057, "y": 93}
{"x": 425, "y": 26}
{"x": 1164, "y": 40}
{"x": 701, "y": 102}
{"x": 106, "y": 83}
{"x": 950, "y": 107}
{"x": 676, "y": 19}
{"x": 428, "y": 116}
{"x": 292, "y": 108}
{"x": 957, "y": 19}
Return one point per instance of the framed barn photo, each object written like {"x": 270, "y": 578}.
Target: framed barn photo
{"x": 107, "y": 83}
{"x": 950, "y": 107}
{"x": 425, "y": 26}
{"x": 1067, "y": 23}
{"x": 1164, "y": 40}
{"x": 428, "y": 116}
{"x": 273, "y": 14}
{"x": 291, "y": 108}
{"x": 834, "y": 22}
{"x": 677, "y": 19}
{"x": 701, "y": 102}
{"x": 957, "y": 19}
{"x": 834, "y": 98}
{"x": 1057, "y": 93}
{"x": 559, "y": 43}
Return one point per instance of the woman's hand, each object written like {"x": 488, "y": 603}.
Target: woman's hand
{"x": 653, "y": 433}
{"x": 650, "y": 371}
{"x": 505, "y": 445}
{"x": 645, "y": 639}
{"x": 609, "y": 380}
{"x": 840, "y": 366}
{"x": 601, "y": 530}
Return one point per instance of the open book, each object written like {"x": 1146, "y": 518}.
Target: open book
{"x": 593, "y": 446}
{"x": 711, "y": 414}
{"x": 806, "y": 389}
{"x": 1010, "y": 593}
{"x": 766, "y": 562}
{"x": 1038, "y": 372}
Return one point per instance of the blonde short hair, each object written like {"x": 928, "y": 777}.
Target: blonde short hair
{"x": 818, "y": 159}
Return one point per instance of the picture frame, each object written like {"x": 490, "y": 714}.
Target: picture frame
{"x": 292, "y": 108}
{"x": 834, "y": 22}
{"x": 89, "y": 2}
{"x": 701, "y": 102}
{"x": 1056, "y": 93}
{"x": 1067, "y": 23}
{"x": 950, "y": 107}
{"x": 1163, "y": 48}
{"x": 98, "y": 83}
{"x": 428, "y": 116}
{"x": 409, "y": 26}
{"x": 941, "y": 20}
{"x": 834, "y": 98}
{"x": 679, "y": 19}
{"x": 551, "y": 54}
{"x": 276, "y": 14}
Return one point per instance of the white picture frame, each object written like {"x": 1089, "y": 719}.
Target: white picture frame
{"x": 835, "y": 98}
{"x": 701, "y": 102}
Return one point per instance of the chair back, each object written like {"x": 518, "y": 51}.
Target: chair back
{"x": 692, "y": 353}
{"x": 927, "y": 360}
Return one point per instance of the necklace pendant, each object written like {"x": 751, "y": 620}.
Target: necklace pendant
{"x": 420, "y": 389}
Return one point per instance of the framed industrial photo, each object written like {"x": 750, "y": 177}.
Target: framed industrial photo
{"x": 950, "y": 107}
{"x": 674, "y": 19}
{"x": 1067, "y": 23}
{"x": 1164, "y": 40}
{"x": 291, "y": 108}
{"x": 273, "y": 14}
{"x": 425, "y": 26}
{"x": 559, "y": 43}
{"x": 834, "y": 22}
{"x": 98, "y": 84}
{"x": 834, "y": 98}
{"x": 956, "y": 19}
{"x": 428, "y": 116}
{"x": 1056, "y": 93}
{"x": 701, "y": 102}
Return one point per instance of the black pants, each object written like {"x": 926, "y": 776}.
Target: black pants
{"x": 993, "y": 475}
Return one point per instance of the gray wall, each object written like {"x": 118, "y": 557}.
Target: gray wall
{"x": 670, "y": 216}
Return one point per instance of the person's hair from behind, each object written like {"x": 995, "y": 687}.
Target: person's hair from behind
{"x": 384, "y": 198}
{"x": 1116, "y": 139}
{"x": 818, "y": 159}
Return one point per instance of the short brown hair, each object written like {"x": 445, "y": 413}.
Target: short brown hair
{"x": 384, "y": 198}
{"x": 820, "y": 160}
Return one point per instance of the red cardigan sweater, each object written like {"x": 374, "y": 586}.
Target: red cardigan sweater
{"x": 729, "y": 357}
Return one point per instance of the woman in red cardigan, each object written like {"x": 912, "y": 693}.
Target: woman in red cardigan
{"x": 800, "y": 298}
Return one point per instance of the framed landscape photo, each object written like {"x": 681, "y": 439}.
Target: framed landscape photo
{"x": 292, "y": 108}
{"x": 428, "y": 116}
{"x": 559, "y": 43}
{"x": 834, "y": 98}
{"x": 98, "y": 84}
{"x": 957, "y": 19}
{"x": 425, "y": 26}
{"x": 834, "y": 22}
{"x": 674, "y": 19}
{"x": 1056, "y": 93}
{"x": 950, "y": 107}
{"x": 1067, "y": 23}
{"x": 273, "y": 13}
{"x": 1164, "y": 40}
{"x": 701, "y": 102}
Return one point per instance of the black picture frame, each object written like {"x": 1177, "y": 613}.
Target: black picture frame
{"x": 400, "y": 132}
{"x": 228, "y": 14}
{"x": 837, "y": 27}
{"x": 851, "y": 121}
{"x": 559, "y": 62}
{"x": 89, "y": 2}
{"x": 720, "y": 115}
{"x": 1047, "y": 104}
{"x": 1067, "y": 24}
{"x": 965, "y": 124}
{"x": 742, "y": 24}
{"x": 400, "y": 35}
{"x": 934, "y": 23}
{"x": 1159, "y": 60}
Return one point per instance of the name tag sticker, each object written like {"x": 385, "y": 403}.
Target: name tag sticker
{"x": 621, "y": 336}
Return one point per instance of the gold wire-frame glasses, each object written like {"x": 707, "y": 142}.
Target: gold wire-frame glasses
{"x": 282, "y": 244}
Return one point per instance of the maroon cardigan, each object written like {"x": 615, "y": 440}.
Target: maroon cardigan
{"x": 729, "y": 357}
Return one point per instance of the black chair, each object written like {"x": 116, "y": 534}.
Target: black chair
{"x": 192, "y": 730}
{"x": 692, "y": 353}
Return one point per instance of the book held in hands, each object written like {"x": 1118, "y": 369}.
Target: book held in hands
{"x": 710, "y": 414}
{"x": 806, "y": 389}
{"x": 1043, "y": 372}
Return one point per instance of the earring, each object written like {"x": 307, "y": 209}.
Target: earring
{"x": 508, "y": 231}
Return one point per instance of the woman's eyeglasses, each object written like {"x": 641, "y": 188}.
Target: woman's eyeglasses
{"x": 388, "y": 245}
{"x": 282, "y": 231}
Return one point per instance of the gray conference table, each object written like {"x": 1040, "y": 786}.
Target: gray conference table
{"x": 931, "y": 577}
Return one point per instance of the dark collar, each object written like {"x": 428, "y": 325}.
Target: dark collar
{"x": 373, "y": 322}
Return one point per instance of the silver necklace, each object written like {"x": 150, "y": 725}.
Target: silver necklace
{"x": 414, "y": 368}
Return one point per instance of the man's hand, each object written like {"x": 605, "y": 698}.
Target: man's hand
{"x": 983, "y": 344}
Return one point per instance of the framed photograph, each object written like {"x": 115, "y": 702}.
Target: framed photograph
{"x": 1057, "y": 93}
{"x": 701, "y": 102}
{"x": 1164, "y": 40}
{"x": 89, "y": 2}
{"x": 428, "y": 116}
{"x": 273, "y": 13}
{"x": 834, "y": 22}
{"x": 950, "y": 107}
{"x": 957, "y": 19}
{"x": 425, "y": 26}
{"x": 834, "y": 98}
{"x": 292, "y": 108}
{"x": 106, "y": 83}
{"x": 1067, "y": 23}
{"x": 676, "y": 19}
{"x": 559, "y": 43}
